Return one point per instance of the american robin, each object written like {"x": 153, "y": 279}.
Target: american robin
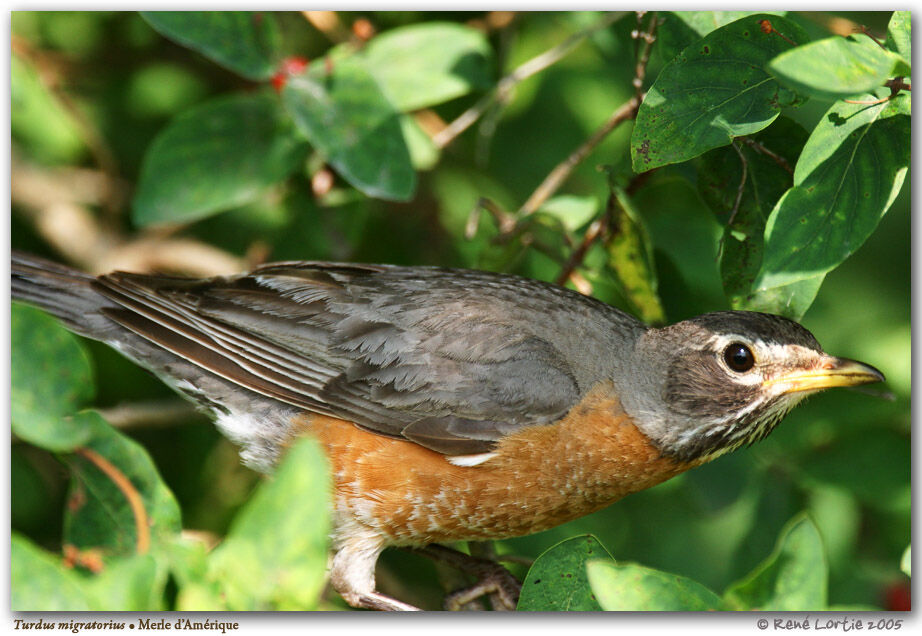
{"x": 453, "y": 404}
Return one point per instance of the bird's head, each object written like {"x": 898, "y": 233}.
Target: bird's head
{"x": 718, "y": 381}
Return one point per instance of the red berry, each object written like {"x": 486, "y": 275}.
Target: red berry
{"x": 293, "y": 65}
{"x": 898, "y": 597}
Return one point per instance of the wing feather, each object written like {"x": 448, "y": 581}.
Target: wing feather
{"x": 450, "y": 359}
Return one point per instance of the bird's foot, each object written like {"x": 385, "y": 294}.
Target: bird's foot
{"x": 493, "y": 580}
{"x": 502, "y": 590}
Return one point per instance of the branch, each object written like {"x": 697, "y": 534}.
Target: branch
{"x": 895, "y": 85}
{"x": 739, "y": 196}
{"x": 56, "y": 202}
{"x": 767, "y": 28}
{"x": 596, "y": 229}
{"x": 760, "y": 148}
{"x": 505, "y": 222}
{"x": 863, "y": 29}
{"x": 649, "y": 37}
{"x": 562, "y": 171}
{"x": 505, "y": 86}
{"x": 626, "y": 111}
{"x": 50, "y": 74}
{"x": 742, "y": 186}
{"x": 149, "y": 414}
{"x": 328, "y": 23}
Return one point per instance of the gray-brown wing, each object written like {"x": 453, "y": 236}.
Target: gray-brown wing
{"x": 450, "y": 359}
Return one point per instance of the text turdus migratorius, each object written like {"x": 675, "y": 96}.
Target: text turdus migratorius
{"x": 453, "y": 404}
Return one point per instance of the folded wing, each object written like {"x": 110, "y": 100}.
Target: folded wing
{"x": 446, "y": 358}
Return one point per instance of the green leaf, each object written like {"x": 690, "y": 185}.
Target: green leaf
{"x": 703, "y": 22}
{"x": 40, "y": 582}
{"x": 906, "y": 561}
{"x": 424, "y": 154}
{"x": 219, "y": 155}
{"x": 791, "y": 300}
{"x": 720, "y": 171}
{"x": 117, "y": 502}
{"x": 899, "y": 34}
{"x": 557, "y": 580}
{"x": 848, "y": 174}
{"x": 792, "y": 578}
{"x": 162, "y": 89}
{"x": 346, "y": 117}
{"x": 682, "y": 28}
{"x": 51, "y": 379}
{"x": 38, "y": 119}
{"x": 714, "y": 90}
{"x": 571, "y": 210}
{"x": 630, "y": 587}
{"x": 246, "y": 42}
{"x": 130, "y": 584}
{"x": 630, "y": 257}
{"x": 837, "y": 67}
{"x": 188, "y": 557}
{"x": 275, "y": 554}
{"x": 838, "y": 515}
{"x": 426, "y": 64}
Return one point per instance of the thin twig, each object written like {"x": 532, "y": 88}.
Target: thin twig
{"x": 149, "y": 414}
{"x": 505, "y": 222}
{"x": 863, "y": 29}
{"x": 328, "y": 23}
{"x": 490, "y": 121}
{"x": 895, "y": 86}
{"x": 868, "y": 103}
{"x": 562, "y": 171}
{"x": 767, "y": 28}
{"x": 739, "y": 195}
{"x": 505, "y": 86}
{"x": 596, "y": 229}
{"x": 143, "y": 415}
{"x": 56, "y": 202}
{"x": 760, "y": 148}
{"x": 649, "y": 37}
{"x": 50, "y": 77}
{"x": 898, "y": 84}
{"x": 626, "y": 111}
{"x": 742, "y": 185}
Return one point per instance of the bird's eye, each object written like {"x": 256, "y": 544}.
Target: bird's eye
{"x": 739, "y": 357}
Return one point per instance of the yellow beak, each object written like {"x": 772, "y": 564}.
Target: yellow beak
{"x": 830, "y": 373}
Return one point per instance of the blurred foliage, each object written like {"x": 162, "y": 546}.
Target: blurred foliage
{"x": 320, "y": 136}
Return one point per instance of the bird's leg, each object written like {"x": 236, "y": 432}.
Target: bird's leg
{"x": 492, "y": 579}
{"x": 352, "y": 573}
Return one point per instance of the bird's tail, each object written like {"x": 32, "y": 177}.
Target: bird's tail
{"x": 63, "y": 292}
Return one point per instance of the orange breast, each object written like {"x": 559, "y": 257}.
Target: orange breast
{"x": 541, "y": 476}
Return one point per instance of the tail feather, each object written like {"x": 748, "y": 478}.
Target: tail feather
{"x": 63, "y": 292}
